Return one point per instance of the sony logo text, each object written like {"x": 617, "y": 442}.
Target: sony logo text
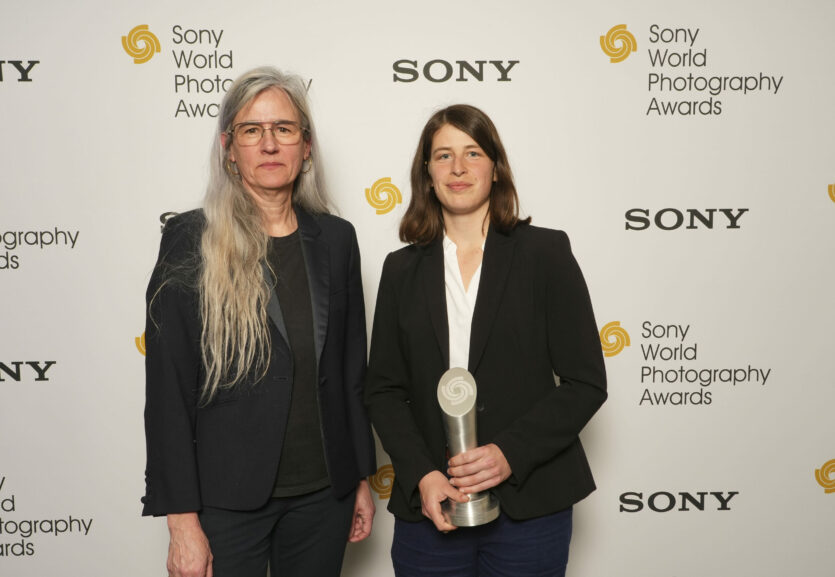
{"x": 18, "y": 370}
{"x": 664, "y": 501}
{"x": 23, "y": 70}
{"x": 463, "y": 70}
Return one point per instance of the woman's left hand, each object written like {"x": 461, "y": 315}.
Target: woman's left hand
{"x": 478, "y": 469}
{"x": 364, "y": 510}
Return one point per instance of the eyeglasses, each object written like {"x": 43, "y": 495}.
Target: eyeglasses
{"x": 250, "y": 133}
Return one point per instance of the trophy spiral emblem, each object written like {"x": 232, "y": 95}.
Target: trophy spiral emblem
{"x": 457, "y": 390}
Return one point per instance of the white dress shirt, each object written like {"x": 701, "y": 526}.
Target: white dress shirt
{"x": 460, "y": 304}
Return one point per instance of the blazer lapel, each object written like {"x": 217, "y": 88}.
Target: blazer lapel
{"x": 498, "y": 256}
{"x": 431, "y": 271}
{"x": 274, "y": 307}
{"x": 317, "y": 262}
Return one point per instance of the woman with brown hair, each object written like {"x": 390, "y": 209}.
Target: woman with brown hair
{"x": 481, "y": 289}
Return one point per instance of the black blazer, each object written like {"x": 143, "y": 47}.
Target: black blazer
{"x": 533, "y": 319}
{"x": 226, "y": 454}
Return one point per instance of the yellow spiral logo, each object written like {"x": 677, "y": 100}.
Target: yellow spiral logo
{"x": 613, "y": 338}
{"x": 382, "y": 481}
{"x": 832, "y": 192}
{"x": 618, "y": 43}
{"x": 141, "y": 44}
{"x": 825, "y": 476}
{"x": 383, "y": 196}
{"x": 140, "y": 344}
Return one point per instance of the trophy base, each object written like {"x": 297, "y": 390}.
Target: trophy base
{"x": 480, "y": 509}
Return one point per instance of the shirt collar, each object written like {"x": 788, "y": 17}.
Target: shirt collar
{"x": 450, "y": 246}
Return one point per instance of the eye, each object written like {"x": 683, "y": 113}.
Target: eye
{"x": 443, "y": 156}
{"x": 250, "y": 129}
{"x": 283, "y": 129}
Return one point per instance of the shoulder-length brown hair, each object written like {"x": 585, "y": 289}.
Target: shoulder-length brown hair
{"x": 424, "y": 221}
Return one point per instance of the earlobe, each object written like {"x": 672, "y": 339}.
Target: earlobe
{"x": 229, "y": 154}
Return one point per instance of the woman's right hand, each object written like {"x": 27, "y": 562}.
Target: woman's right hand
{"x": 189, "y": 554}
{"x": 434, "y": 488}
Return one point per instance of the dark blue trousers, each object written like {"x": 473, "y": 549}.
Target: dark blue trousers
{"x": 301, "y": 536}
{"x": 503, "y": 548}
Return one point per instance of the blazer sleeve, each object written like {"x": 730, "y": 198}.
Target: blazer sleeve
{"x": 356, "y": 340}
{"x": 172, "y": 373}
{"x": 387, "y": 390}
{"x": 576, "y": 358}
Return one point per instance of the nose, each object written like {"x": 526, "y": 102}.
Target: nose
{"x": 269, "y": 142}
{"x": 458, "y": 166}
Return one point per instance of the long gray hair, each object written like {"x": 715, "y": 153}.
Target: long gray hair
{"x": 235, "y": 337}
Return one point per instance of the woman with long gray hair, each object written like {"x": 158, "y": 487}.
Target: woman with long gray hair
{"x": 258, "y": 444}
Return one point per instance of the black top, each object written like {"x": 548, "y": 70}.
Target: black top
{"x": 302, "y": 466}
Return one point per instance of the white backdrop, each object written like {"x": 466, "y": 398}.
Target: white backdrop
{"x": 707, "y": 237}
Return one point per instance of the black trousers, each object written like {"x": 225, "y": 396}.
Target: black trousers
{"x": 301, "y": 536}
{"x": 502, "y": 548}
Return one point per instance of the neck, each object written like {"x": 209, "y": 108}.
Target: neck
{"x": 277, "y": 215}
{"x": 467, "y": 230}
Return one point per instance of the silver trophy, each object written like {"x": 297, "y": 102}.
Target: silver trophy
{"x": 457, "y": 395}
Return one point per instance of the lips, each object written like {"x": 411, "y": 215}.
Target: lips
{"x": 458, "y": 186}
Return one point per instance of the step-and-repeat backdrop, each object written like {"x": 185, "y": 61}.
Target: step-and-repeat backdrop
{"x": 686, "y": 147}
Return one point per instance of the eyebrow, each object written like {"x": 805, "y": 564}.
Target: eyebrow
{"x": 468, "y": 147}
{"x": 279, "y": 121}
